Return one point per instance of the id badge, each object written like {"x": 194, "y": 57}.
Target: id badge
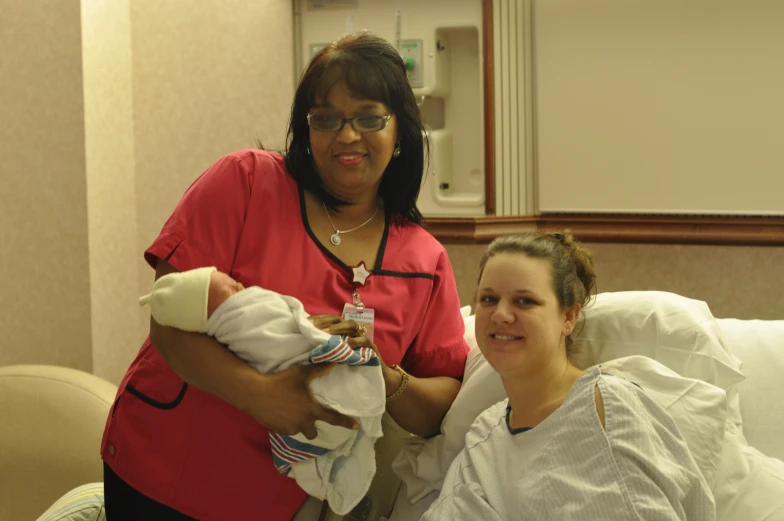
{"x": 363, "y": 317}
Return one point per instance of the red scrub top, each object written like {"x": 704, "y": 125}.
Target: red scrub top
{"x": 245, "y": 215}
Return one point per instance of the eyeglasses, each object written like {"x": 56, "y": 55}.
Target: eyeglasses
{"x": 358, "y": 123}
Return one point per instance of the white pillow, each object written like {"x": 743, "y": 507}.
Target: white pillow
{"x": 759, "y": 344}
{"x": 678, "y": 332}
{"x": 749, "y": 485}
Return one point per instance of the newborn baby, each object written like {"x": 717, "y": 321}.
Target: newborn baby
{"x": 221, "y": 288}
{"x": 269, "y": 330}
{"x": 272, "y": 332}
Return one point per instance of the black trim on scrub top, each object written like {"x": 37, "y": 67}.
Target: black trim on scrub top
{"x": 381, "y": 247}
{"x": 379, "y": 254}
{"x": 412, "y": 275}
{"x": 155, "y": 403}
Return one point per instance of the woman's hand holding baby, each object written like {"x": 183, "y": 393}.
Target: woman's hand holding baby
{"x": 335, "y": 325}
{"x": 285, "y": 404}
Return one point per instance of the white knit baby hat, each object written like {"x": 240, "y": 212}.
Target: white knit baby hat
{"x": 180, "y": 299}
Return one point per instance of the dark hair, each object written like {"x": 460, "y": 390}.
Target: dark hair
{"x": 371, "y": 68}
{"x": 573, "y": 275}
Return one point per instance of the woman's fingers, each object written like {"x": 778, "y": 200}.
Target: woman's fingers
{"x": 310, "y": 431}
{"x": 346, "y": 327}
{"x": 335, "y": 418}
{"x": 322, "y": 413}
{"x": 363, "y": 341}
{"x": 324, "y": 321}
{"x": 335, "y": 325}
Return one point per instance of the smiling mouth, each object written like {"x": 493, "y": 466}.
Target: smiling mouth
{"x": 350, "y": 160}
{"x": 505, "y": 338}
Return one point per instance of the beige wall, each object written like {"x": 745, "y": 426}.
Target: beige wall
{"x": 735, "y": 281}
{"x": 211, "y": 83}
{"x": 659, "y": 106}
{"x": 108, "y": 109}
{"x": 44, "y": 277}
{"x": 131, "y": 102}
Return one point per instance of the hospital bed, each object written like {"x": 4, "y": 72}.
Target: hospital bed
{"x": 52, "y": 418}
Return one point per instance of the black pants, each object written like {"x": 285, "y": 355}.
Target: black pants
{"x": 125, "y": 503}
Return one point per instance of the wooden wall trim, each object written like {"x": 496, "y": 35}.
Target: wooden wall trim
{"x": 489, "y": 105}
{"x": 477, "y": 229}
{"x": 663, "y": 229}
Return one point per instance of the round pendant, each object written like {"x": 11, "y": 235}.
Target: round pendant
{"x": 335, "y": 239}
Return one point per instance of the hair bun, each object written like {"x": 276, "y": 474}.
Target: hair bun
{"x": 583, "y": 261}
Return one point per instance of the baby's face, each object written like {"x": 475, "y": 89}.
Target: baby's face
{"x": 221, "y": 287}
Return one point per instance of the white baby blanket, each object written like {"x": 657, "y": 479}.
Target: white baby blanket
{"x": 272, "y": 332}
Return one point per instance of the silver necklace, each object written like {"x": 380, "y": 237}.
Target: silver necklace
{"x": 335, "y": 237}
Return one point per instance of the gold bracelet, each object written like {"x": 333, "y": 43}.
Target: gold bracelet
{"x": 403, "y": 383}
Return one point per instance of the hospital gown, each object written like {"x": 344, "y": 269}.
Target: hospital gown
{"x": 569, "y": 467}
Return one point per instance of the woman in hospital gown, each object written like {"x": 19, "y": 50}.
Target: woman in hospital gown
{"x": 566, "y": 444}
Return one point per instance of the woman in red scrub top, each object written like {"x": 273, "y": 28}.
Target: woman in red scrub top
{"x": 334, "y": 223}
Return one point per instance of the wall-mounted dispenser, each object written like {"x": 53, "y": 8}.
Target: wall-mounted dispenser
{"x": 453, "y": 111}
{"x": 442, "y": 51}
